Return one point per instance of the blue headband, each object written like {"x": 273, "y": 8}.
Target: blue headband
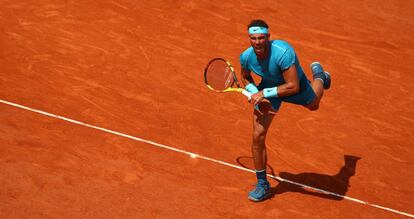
{"x": 258, "y": 30}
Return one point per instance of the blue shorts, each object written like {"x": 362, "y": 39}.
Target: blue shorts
{"x": 305, "y": 96}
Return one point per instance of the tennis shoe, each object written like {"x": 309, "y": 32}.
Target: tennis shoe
{"x": 319, "y": 73}
{"x": 260, "y": 193}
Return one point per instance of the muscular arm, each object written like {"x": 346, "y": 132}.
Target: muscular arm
{"x": 290, "y": 87}
{"x": 246, "y": 77}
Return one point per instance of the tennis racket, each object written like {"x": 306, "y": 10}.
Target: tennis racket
{"x": 219, "y": 76}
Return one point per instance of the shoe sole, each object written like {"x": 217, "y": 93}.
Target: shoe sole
{"x": 328, "y": 81}
{"x": 266, "y": 196}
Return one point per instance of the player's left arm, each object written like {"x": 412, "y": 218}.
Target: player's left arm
{"x": 290, "y": 87}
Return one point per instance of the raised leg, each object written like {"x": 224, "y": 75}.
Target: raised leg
{"x": 321, "y": 81}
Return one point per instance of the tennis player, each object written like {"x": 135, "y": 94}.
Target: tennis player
{"x": 282, "y": 80}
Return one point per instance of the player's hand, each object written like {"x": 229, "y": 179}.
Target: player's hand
{"x": 257, "y": 98}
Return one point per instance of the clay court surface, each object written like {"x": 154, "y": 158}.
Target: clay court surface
{"x": 135, "y": 67}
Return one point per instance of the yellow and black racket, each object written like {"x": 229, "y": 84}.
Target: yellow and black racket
{"x": 219, "y": 76}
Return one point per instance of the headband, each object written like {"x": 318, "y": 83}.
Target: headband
{"x": 258, "y": 30}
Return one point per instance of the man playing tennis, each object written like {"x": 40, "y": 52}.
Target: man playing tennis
{"x": 283, "y": 80}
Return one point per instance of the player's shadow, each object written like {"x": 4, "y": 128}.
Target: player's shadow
{"x": 337, "y": 183}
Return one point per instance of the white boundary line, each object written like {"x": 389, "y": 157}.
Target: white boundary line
{"x": 194, "y": 155}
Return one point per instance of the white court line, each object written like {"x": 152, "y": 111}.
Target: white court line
{"x": 194, "y": 155}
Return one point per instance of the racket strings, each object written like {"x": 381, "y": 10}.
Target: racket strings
{"x": 219, "y": 75}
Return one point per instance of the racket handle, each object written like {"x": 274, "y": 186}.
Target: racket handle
{"x": 247, "y": 94}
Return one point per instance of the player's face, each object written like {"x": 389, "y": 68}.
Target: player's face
{"x": 260, "y": 43}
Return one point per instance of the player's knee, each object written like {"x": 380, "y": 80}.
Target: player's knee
{"x": 259, "y": 135}
{"x": 314, "y": 107}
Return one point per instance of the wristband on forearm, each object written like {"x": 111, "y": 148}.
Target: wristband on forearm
{"x": 270, "y": 92}
{"x": 252, "y": 88}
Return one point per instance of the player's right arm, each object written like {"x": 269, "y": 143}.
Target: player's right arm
{"x": 246, "y": 77}
{"x": 248, "y": 82}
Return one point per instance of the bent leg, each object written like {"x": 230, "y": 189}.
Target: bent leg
{"x": 309, "y": 95}
{"x": 317, "y": 86}
{"x": 321, "y": 81}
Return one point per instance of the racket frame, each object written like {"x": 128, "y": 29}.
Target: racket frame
{"x": 237, "y": 89}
